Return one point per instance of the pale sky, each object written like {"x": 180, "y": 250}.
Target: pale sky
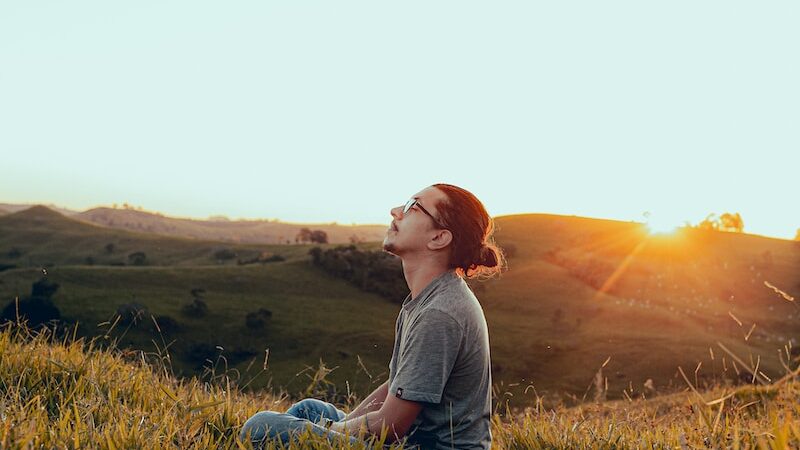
{"x": 320, "y": 111}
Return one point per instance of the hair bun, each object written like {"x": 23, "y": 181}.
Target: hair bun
{"x": 488, "y": 256}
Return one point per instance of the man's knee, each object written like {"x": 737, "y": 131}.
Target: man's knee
{"x": 258, "y": 426}
{"x": 306, "y": 408}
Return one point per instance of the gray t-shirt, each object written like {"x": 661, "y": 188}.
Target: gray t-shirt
{"x": 441, "y": 359}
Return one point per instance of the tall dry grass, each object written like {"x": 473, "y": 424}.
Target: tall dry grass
{"x": 66, "y": 393}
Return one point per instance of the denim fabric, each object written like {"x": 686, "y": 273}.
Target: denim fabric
{"x": 269, "y": 425}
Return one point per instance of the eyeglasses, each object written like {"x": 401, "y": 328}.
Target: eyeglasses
{"x": 415, "y": 202}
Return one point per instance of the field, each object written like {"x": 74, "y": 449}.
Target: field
{"x": 56, "y": 392}
{"x": 582, "y": 300}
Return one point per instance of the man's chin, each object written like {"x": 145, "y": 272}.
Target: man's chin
{"x": 390, "y": 248}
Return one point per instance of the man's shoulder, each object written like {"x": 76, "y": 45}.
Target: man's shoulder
{"x": 455, "y": 300}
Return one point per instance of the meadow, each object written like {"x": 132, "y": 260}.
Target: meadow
{"x": 65, "y": 393}
{"x": 584, "y": 303}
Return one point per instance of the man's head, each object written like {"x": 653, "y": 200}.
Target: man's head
{"x": 446, "y": 223}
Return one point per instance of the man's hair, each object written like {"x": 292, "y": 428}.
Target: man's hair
{"x": 474, "y": 253}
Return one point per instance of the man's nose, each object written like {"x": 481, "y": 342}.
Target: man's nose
{"x": 396, "y": 212}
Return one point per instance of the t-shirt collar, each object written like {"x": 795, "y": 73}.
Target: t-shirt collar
{"x": 445, "y": 277}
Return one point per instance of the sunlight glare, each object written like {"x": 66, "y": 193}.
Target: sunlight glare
{"x": 660, "y": 224}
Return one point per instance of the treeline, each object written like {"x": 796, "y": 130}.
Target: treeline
{"x": 371, "y": 271}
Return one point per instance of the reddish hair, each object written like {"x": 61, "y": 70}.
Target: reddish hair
{"x": 474, "y": 253}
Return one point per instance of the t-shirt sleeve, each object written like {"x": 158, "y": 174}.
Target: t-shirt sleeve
{"x": 427, "y": 356}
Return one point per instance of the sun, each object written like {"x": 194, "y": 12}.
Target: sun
{"x": 660, "y": 224}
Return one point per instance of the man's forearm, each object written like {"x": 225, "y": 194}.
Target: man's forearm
{"x": 372, "y": 403}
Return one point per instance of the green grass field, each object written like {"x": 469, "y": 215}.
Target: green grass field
{"x": 578, "y": 294}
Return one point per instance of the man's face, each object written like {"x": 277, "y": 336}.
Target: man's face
{"x": 411, "y": 232}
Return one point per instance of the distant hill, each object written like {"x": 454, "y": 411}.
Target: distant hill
{"x": 240, "y": 231}
{"x": 12, "y": 208}
{"x": 40, "y": 237}
{"x": 217, "y": 228}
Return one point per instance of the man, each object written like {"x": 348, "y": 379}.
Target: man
{"x": 438, "y": 394}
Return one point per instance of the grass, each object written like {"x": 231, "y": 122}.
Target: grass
{"x": 60, "y": 392}
{"x": 550, "y": 326}
{"x": 350, "y": 329}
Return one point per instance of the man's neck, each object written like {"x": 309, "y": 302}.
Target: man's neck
{"x": 420, "y": 272}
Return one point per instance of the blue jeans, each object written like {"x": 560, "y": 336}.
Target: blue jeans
{"x": 268, "y": 425}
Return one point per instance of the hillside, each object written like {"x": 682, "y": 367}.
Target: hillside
{"x": 41, "y": 237}
{"x": 72, "y": 394}
{"x": 560, "y": 312}
{"x": 16, "y": 207}
{"x": 239, "y": 231}
{"x": 214, "y": 229}
{"x": 579, "y": 291}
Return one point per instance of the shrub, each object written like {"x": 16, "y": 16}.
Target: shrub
{"x": 197, "y": 308}
{"x": 44, "y": 288}
{"x": 263, "y": 257}
{"x": 36, "y": 310}
{"x": 224, "y": 254}
{"x": 257, "y": 320}
{"x": 137, "y": 258}
{"x": 371, "y": 271}
{"x": 166, "y": 325}
{"x": 199, "y": 352}
{"x": 131, "y": 313}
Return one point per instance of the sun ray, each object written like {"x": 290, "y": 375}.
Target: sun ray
{"x": 621, "y": 268}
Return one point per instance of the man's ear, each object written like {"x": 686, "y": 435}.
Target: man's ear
{"x": 442, "y": 239}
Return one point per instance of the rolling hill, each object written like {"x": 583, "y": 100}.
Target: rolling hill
{"x": 214, "y": 229}
{"x": 238, "y": 231}
{"x": 580, "y": 297}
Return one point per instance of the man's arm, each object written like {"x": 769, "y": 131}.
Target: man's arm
{"x": 396, "y": 414}
{"x": 372, "y": 403}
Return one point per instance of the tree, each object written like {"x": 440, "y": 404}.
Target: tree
{"x": 137, "y": 258}
{"x": 165, "y": 324}
{"x": 731, "y": 222}
{"x": 725, "y": 222}
{"x": 132, "y": 313}
{"x": 44, "y": 288}
{"x": 38, "y": 308}
{"x": 257, "y": 320}
{"x": 224, "y": 254}
{"x": 197, "y": 307}
{"x": 304, "y": 235}
{"x": 319, "y": 236}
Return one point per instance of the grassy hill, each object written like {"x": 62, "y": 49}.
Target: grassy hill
{"x": 220, "y": 229}
{"x": 581, "y": 297}
{"x": 240, "y": 231}
{"x": 564, "y": 311}
{"x": 40, "y": 237}
{"x": 71, "y": 394}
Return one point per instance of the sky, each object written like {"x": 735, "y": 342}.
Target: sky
{"x": 319, "y": 111}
